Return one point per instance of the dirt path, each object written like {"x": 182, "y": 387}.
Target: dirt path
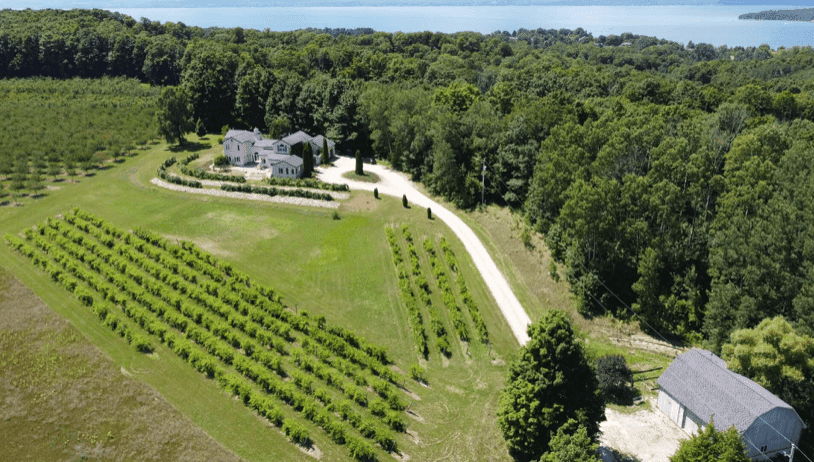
{"x": 396, "y": 184}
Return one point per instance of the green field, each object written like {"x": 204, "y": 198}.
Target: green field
{"x": 341, "y": 269}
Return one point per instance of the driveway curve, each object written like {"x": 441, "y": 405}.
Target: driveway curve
{"x": 397, "y": 184}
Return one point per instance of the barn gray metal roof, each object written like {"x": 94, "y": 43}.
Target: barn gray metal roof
{"x": 702, "y": 383}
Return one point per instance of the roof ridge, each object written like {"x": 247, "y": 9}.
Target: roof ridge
{"x": 739, "y": 378}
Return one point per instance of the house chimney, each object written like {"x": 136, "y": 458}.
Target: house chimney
{"x": 257, "y": 134}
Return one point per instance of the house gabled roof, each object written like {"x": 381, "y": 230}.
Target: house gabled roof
{"x": 701, "y": 382}
{"x": 274, "y": 159}
{"x": 240, "y": 135}
{"x": 265, "y": 143}
{"x": 317, "y": 141}
{"x": 299, "y": 137}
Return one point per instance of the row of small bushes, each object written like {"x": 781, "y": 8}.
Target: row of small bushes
{"x": 200, "y": 337}
{"x": 307, "y": 183}
{"x": 200, "y": 361}
{"x": 162, "y": 173}
{"x": 204, "y": 175}
{"x": 189, "y": 159}
{"x": 437, "y": 325}
{"x": 466, "y": 297}
{"x": 448, "y": 296}
{"x": 277, "y": 192}
{"x": 416, "y": 319}
{"x": 71, "y": 284}
{"x": 337, "y": 339}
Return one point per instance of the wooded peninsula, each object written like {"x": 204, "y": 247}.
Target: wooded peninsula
{"x": 805, "y": 14}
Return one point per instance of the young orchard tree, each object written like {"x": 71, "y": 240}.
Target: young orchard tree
{"x": 16, "y": 186}
{"x": 70, "y": 170}
{"x": 35, "y": 183}
{"x": 359, "y": 169}
{"x": 6, "y": 166}
{"x": 550, "y": 383}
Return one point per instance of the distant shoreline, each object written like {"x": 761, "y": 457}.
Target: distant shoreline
{"x": 804, "y": 15}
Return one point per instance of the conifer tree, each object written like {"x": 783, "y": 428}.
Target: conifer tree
{"x": 549, "y": 383}
{"x": 325, "y": 157}
{"x": 359, "y": 169}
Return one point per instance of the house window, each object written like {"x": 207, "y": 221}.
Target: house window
{"x": 286, "y": 170}
{"x": 763, "y": 448}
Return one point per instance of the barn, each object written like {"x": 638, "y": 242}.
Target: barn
{"x": 698, "y": 386}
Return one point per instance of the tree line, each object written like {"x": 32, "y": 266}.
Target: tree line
{"x": 669, "y": 179}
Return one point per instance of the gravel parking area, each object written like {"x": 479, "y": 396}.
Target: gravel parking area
{"x": 648, "y": 435}
{"x": 247, "y": 196}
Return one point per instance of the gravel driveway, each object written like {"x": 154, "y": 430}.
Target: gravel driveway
{"x": 396, "y": 184}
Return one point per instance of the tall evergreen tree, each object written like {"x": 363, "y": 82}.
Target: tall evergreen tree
{"x": 325, "y": 157}
{"x": 550, "y": 382}
{"x": 359, "y": 168}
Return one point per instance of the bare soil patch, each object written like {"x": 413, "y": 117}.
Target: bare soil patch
{"x": 648, "y": 435}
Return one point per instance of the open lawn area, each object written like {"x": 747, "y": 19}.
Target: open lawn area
{"x": 341, "y": 269}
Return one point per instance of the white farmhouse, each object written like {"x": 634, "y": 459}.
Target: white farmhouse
{"x": 242, "y": 147}
{"x": 698, "y": 387}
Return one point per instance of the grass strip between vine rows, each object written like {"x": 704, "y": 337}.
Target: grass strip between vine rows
{"x": 466, "y": 297}
{"x": 437, "y": 325}
{"x": 416, "y": 319}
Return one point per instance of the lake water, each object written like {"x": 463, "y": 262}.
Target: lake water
{"x": 718, "y": 25}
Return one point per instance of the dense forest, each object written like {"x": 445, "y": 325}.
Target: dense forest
{"x": 673, "y": 181}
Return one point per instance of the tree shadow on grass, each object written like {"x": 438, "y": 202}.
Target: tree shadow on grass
{"x": 190, "y": 147}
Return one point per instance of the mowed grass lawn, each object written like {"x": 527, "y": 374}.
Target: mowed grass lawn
{"x": 342, "y": 269}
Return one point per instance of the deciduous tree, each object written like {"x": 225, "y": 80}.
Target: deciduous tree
{"x": 548, "y": 384}
{"x": 173, "y": 115}
{"x": 710, "y": 444}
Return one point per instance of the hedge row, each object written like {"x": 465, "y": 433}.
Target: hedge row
{"x": 436, "y": 324}
{"x": 277, "y": 192}
{"x": 307, "y": 183}
{"x": 189, "y": 159}
{"x": 416, "y": 319}
{"x": 204, "y": 175}
{"x": 162, "y": 173}
{"x": 220, "y": 348}
{"x": 466, "y": 297}
{"x": 448, "y": 297}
